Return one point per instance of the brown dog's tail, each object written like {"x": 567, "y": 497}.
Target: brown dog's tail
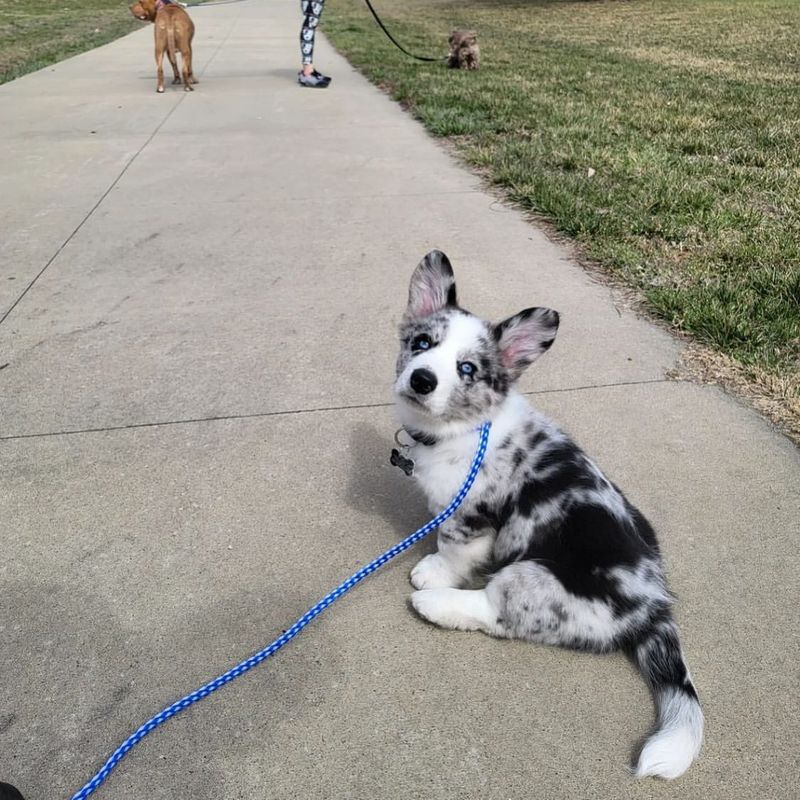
{"x": 171, "y": 39}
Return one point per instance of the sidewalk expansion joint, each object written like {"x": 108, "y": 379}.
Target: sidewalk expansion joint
{"x": 293, "y": 412}
{"x": 88, "y": 215}
{"x": 109, "y": 189}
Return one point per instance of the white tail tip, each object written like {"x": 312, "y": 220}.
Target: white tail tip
{"x": 669, "y": 752}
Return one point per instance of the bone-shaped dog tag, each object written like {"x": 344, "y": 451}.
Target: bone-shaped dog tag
{"x": 399, "y": 460}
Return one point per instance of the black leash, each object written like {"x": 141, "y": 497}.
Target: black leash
{"x": 190, "y": 4}
{"x": 394, "y": 41}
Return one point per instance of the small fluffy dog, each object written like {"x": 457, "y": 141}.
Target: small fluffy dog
{"x": 174, "y": 30}
{"x": 545, "y": 547}
{"x": 464, "y": 50}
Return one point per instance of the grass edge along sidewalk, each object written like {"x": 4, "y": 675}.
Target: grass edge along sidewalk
{"x": 37, "y": 33}
{"x": 658, "y": 135}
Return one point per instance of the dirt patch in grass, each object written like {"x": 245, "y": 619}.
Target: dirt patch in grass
{"x": 769, "y": 394}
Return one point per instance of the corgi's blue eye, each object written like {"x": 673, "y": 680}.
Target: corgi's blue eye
{"x": 422, "y": 342}
{"x": 467, "y": 368}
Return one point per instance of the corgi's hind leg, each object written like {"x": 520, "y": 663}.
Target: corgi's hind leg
{"x": 531, "y": 603}
{"x": 524, "y": 600}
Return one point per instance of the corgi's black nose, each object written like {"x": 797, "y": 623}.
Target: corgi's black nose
{"x": 423, "y": 381}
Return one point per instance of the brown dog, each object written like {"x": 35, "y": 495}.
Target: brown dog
{"x": 464, "y": 50}
{"x": 173, "y": 29}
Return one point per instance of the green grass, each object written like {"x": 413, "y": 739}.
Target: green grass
{"x": 687, "y": 113}
{"x": 36, "y": 33}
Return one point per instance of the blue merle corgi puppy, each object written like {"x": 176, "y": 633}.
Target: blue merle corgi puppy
{"x": 545, "y": 547}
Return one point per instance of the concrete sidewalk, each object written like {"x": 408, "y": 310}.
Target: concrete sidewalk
{"x": 195, "y": 423}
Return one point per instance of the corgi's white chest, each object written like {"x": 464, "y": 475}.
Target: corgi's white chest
{"x": 441, "y": 469}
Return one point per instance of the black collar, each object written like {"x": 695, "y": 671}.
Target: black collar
{"x": 419, "y": 437}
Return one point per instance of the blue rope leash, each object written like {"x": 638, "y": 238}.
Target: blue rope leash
{"x": 284, "y": 638}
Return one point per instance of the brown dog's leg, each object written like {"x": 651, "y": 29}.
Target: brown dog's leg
{"x": 160, "y": 68}
{"x": 186, "y": 66}
{"x": 188, "y": 57}
{"x": 174, "y": 44}
{"x": 189, "y": 62}
{"x": 190, "y": 29}
{"x": 186, "y": 61}
{"x": 161, "y": 46}
{"x": 174, "y": 61}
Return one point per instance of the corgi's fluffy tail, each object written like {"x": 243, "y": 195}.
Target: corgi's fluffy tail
{"x": 678, "y": 736}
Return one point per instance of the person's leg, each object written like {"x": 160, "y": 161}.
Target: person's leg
{"x": 312, "y": 11}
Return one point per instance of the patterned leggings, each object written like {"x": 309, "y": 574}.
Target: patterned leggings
{"x": 312, "y": 9}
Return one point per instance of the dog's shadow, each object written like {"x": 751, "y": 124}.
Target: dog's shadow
{"x": 377, "y": 488}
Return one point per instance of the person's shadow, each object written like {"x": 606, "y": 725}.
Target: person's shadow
{"x": 284, "y": 72}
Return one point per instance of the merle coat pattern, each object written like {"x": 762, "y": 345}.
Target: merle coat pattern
{"x": 545, "y": 547}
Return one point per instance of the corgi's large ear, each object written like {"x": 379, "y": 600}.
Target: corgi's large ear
{"x": 433, "y": 286}
{"x": 522, "y": 338}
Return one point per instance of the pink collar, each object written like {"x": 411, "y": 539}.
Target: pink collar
{"x": 161, "y": 3}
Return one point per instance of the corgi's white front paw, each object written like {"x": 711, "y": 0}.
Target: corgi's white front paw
{"x": 432, "y": 572}
{"x": 455, "y": 609}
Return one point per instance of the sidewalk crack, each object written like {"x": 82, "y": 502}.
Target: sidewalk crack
{"x": 293, "y": 412}
{"x": 113, "y": 184}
